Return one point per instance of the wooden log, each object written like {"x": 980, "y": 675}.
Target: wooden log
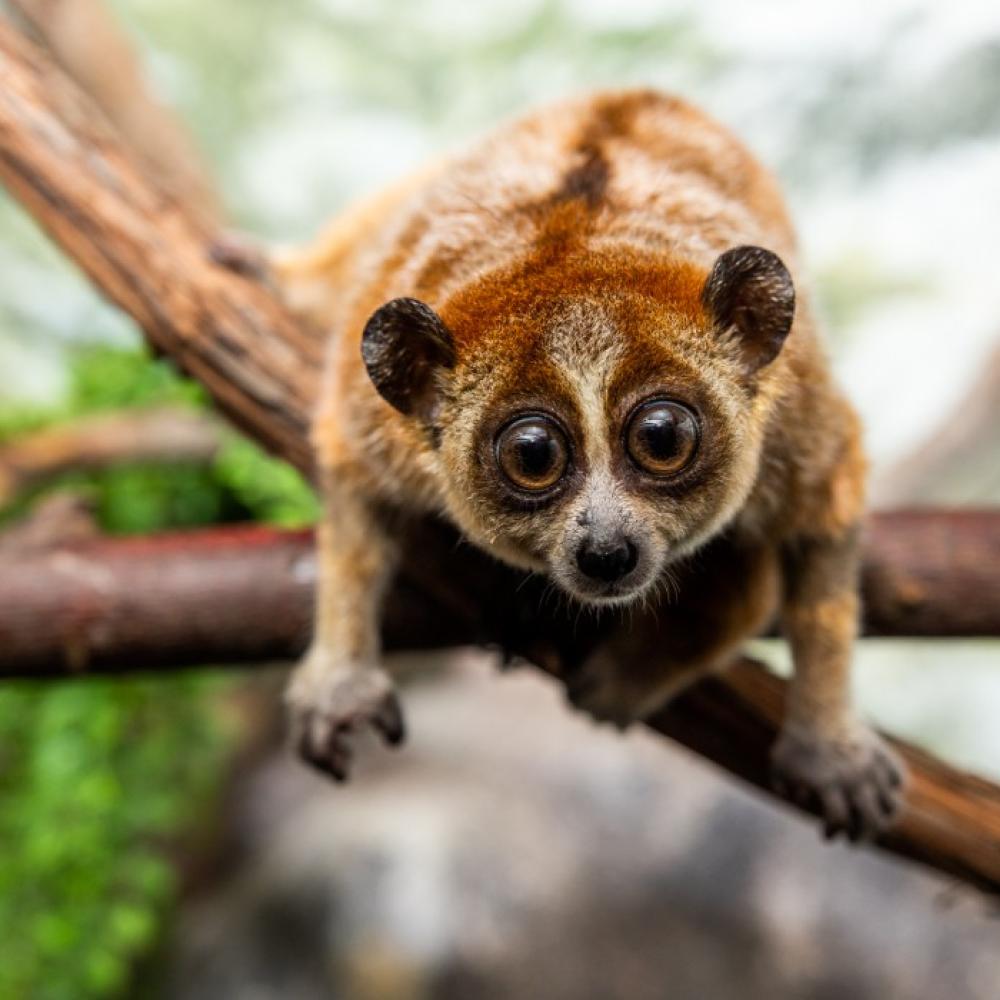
{"x": 241, "y": 595}
{"x": 86, "y": 40}
{"x": 932, "y": 573}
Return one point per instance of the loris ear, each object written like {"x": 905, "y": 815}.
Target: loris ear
{"x": 404, "y": 346}
{"x": 751, "y": 297}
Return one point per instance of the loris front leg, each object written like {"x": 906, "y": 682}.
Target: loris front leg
{"x": 340, "y": 687}
{"x": 824, "y": 752}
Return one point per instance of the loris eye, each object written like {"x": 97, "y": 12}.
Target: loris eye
{"x": 532, "y": 453}
{"x": 661, "y": 437}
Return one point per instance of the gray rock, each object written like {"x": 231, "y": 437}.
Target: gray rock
{"x": 513, "y": 849}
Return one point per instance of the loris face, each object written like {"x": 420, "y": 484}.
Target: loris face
{"x": 594, "y": 428}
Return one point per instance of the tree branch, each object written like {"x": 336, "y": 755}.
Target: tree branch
{"x": 932, "y": 573}
{"x": 88, "y": 43}
{"x": 158, "y": 434}
{"x": 148, "y": 253}
{"x": 244, "y": 594}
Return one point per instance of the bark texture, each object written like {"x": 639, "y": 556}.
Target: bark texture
{"x": 86, "y": 40}
{"x": 150, "y": 253}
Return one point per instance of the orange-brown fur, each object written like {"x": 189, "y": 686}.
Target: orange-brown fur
{"x": 538, "y": 248}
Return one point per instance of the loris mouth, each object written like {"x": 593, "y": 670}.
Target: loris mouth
{"x": 619, "y": 593}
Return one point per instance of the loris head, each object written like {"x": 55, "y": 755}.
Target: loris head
{"x": 594, "y": 417}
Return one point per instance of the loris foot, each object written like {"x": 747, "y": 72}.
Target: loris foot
{"x": 604, "y": 689}
{"x": 855, "y": 781}
{"x": 329, "y": 708}
{"x": 595, "y": 689}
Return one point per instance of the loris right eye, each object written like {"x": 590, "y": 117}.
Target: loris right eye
{"x": 661, "y": 437}
{"x": 532, "y": 453}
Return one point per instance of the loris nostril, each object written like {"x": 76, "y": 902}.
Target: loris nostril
{"x": 607, "y": 562}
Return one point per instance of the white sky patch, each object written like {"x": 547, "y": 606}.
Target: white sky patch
{"x": 790, "y": 28}
{"x": 911, "y": 359}
{"x": 305, "y": 168}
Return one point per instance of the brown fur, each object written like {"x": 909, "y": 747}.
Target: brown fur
{"x": 567, "y": 254}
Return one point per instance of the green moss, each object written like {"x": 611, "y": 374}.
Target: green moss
{"x": 98, "y": 775}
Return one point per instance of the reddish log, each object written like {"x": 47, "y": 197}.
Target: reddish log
{"x": 238, "y": 595}
{"x": 933, "y": 573}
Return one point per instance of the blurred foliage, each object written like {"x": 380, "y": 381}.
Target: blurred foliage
{"x": 99, "y": 777}
{"x": 850, "y": 285}
{"x": 95, "y": 778}
{"x": 242, "y": 484}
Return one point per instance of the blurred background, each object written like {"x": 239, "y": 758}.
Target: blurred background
{"x": 154, "y": 838}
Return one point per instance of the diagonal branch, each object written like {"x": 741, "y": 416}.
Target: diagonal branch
{"x": 85, "y": 39}
{"x": 149, "y": 254}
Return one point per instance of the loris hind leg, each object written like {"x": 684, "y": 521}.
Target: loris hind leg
{"x": 340, "y": 687}
{"x": 724, "y": 595}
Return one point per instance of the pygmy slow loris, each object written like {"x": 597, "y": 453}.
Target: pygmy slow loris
{"x": 580, "y": 342}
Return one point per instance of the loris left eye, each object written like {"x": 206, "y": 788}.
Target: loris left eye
{"x": 661, "y": 437}
{"x": 532, "y": 452}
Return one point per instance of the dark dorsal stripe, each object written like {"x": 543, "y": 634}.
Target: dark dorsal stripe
{"x": 611, "y": 119}
{"x": 588, "y": 180}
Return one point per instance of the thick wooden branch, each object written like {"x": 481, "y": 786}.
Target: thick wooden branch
{"x": 933, "y": 573}
{"x": 150, "y": 255}
{"x": 244, "y": 594}
{"x": 89, "y": 44}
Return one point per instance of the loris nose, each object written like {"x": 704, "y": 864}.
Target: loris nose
{"x": 607, "y": 561}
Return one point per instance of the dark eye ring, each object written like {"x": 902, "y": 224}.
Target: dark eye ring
{"x": 532, "y": 452}
{"x": 661, "y": 437}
